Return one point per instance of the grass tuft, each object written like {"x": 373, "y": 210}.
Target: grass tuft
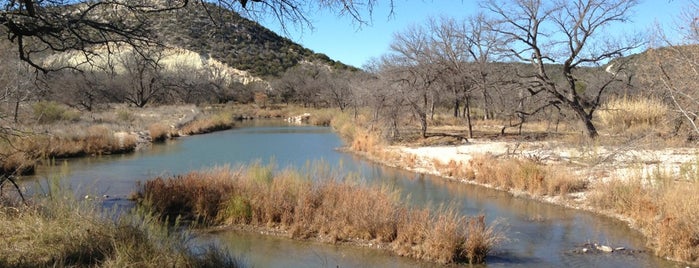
{"x": 210, "y": 123}
{"x": 524, "y": 175}
{"x": 331, "y": 210}
{"x": 58, "y": 230}
{"x": 159, "y": 132}
{"x": 624, "y": 113}
{"x": 664, "y": 208}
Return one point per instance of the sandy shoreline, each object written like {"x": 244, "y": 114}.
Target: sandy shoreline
{"x": 597, "y": 165}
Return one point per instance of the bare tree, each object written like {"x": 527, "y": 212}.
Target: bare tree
{"x": 675, "y": 67}
{"x": 414, "y": 71}
{"x": 81, "y": 89}
{"x": 142, "y": 80}
{"x": 305, "y": 84}
{"x": 541, "y": 32}
{"x": 17, "y": 84}
{"x": 338, "y": 91}
{"x": 376, "y": 91}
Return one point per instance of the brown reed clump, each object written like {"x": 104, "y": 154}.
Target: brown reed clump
{"x": 331, "y": 210}
{"x": 19, "y": 155}
{"x": 210, "y": 123}
{"x": 159, "y": 132}
{"x": 524, "y": 175}
{"x": 664, "y": 209}
{"x": 625, "y": 113}
{"x": 96, "y": 140}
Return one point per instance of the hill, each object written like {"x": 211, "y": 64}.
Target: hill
{"x": 226, "y": 36}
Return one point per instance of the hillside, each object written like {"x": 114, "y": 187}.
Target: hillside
{"x": 232, "y": 39}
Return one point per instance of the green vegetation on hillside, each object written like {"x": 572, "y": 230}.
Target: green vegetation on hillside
{"x": 226, "y": 36}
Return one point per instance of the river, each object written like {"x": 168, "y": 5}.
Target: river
{"x": 539, "y": 235}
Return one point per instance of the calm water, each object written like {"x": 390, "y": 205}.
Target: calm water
{"x": 539, "y": 235}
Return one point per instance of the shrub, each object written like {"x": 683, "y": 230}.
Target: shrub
{"x": 50, "y": 112}
{"x": 125, "y": 115}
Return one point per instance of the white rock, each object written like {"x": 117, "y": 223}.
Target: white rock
{"x": 604, "y": 248}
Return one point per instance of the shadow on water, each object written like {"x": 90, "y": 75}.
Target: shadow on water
{"x": 539, "y": 235}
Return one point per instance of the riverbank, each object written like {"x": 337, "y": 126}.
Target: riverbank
{"x": 654, "y": 191}
{"x": 55, "y": 131}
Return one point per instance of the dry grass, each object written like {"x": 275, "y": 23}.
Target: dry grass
{"x": 96, "y": 140}
{"x": 20, "y": 153}
{"x": 623, "y": 114}
{"x": 664, "y": 208}
{"x": 59, "y": 231}
{"x": 209, "y": 123}
{"x": 524, "y": 175}
{"x": 451, "y": 169}
{"x": 330, "y": 210}
{"x": 323, "y": 117}
{"x": 159, "y": 132}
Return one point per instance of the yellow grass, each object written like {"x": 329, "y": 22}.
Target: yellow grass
{"x": 663, "y": 206}
{"x": 59, "y": 231}
{"x": 209, "y": 123}
{"x": 159, "y": 132}
{"x": 330, "y": 210}
{"x": 21, "y": 153}
{"x": 625, "y": 113}
{"x": 524, "y": 175}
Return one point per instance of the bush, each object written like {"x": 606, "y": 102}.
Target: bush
{"x": 50, "y": 112}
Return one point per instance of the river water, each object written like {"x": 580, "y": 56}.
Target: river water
{"x": 538, "y": 235}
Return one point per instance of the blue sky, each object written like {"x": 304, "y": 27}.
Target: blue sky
{"x": 341, "y": 39}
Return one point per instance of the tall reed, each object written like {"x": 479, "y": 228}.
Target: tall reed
{"x": 524, "y": 175}
{"x": 331, "y": 210}
{"x": 209, "y": 123}
{"x": 663, "y": 206}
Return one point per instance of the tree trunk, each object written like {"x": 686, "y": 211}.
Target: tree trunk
{"x": 468, "y": 117}
{"x": 14, "y": 118}
{"x": 590, "y": 129}
{"x": 423, "y": 125}
{"x": 456, "y": 108}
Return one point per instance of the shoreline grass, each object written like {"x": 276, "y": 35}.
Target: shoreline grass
{"x": 663, "y": 208}
{"x": 207, "y": 124}
{"x": 660, "y": 205}
{"x": 21, "y": 154}
{"x": 58, "y": 230}
{"x": 332, "y": 211}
